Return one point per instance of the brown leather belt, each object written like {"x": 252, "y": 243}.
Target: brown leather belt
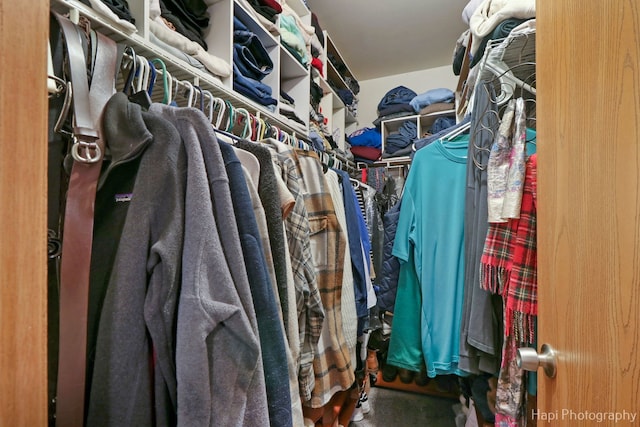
{"x": 87, "y": 151}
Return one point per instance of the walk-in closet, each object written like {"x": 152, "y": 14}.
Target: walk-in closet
{"x": 297, "y": 213}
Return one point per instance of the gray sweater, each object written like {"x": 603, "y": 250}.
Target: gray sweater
{"x": 219, "y": 366}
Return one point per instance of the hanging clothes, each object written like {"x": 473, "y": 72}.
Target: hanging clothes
{"x": 272, "y": 338}
{"x": 121, "y": 393}
{"x": 480, "y": 334}
{"x": 308, "y": 301}
{"x": 431, "y": 228}
{"x": 348, "y": 297}
{"x": 332, "y": 362}
{"x": 205, "y": 308}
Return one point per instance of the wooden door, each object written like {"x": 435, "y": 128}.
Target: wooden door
{"x": 24, "y": 32}
{"x": 588, "y": 58}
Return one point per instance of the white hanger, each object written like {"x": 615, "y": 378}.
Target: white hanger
{"x": 191, "y": 91}
{"x": 206, "y": 93}
{"x": 220, "y": 116}
{"x": 169, "y": 87}
{"x": 143, "y": 74}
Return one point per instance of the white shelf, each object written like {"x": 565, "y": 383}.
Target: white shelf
{"x": 301, "y": 10}
{"x": 178, "y": 69}
{"x": 288, "y": 74}
{"x": 423, "y": 123}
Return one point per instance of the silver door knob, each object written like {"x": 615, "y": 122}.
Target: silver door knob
{"x": 529, "y": 360}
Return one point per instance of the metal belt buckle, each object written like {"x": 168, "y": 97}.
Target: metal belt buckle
{"x": 54, "y": 245}
{"x": 85, "y": 152}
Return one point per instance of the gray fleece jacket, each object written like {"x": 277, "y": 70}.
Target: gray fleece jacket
{"x": 139, "y": 311}
{"x": 219, "y": 366}
{"x": 171, "y": 284}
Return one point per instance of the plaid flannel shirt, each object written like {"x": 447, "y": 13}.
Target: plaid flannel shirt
{"x": 332, "y": 363}
{"x": 308, "y": 301}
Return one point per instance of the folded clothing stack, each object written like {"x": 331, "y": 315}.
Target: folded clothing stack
{"x": 399, "y": 95}
{"x": 433, "y": 96}
{"x": 119, "y": 7}
{"x": 293, "y": 40}
{"x": 166, "y": 33}
{"x": 502, "y": 30}
{"x": 395, "y": 104}
{"x": 114, "y": 10}
{"x": 188, "y": 17}
{"x": 366, "y": 144}
{"x": 287, "y": 108}
{"x": 251, "y": 64}
{"x": 401, "y": 138}
{"x": 267, "y": 8}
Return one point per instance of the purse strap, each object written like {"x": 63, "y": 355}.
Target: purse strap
{"x": 87, "y": 151}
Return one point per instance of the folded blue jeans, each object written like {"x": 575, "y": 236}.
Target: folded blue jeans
{"x": 250, "y": 55}
{"x": 252, "y": 89}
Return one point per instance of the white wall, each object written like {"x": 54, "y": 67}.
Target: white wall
{"x": 372, "y": 91}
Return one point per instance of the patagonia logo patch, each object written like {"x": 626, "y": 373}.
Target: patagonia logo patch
{"x": 124, "y": 197}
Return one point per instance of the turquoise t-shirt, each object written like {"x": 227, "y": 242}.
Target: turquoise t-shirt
{"x": 431, "y": 228}
{"x": 405, "y": 344}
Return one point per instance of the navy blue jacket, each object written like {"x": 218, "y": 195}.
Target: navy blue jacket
{"x": 355, "y": 249}
{"x": 264, "y": 301}
{"x": 390, "y": 264}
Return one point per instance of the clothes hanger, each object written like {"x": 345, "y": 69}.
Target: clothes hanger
{"x": 275, "y": 132}
{"x": 169, "y": 89}
{"x": 260, "y": 131}
{"x": 199, "y": 95}
{"x": 140, "y": 97}
{"x": 220, "y": 113}
{"x": 166, "y": 98}
{"x": 188, "y": 92}
{"x": 474, "y": 137}
{"x": 209, "y": 95}
{"x": 131, "y": 63}
{"x": 246, "y": 131}
{"x": 456, "y": 132}
{"x": 142, "y": 74}
{"x": 231, "y": 117}
{"x": 255, "y": 125}
{"x": 152, "y": 77}
{"x": 66, "y": 87}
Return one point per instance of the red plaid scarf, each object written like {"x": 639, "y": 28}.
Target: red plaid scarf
{"x": 509, "y": 262}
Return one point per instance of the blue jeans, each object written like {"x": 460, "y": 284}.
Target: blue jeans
{"x": 252, "y": 89}
{"x": 250, "y": 55}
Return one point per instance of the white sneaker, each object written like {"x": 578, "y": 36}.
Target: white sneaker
{"x": 357, "y": 414}
{"x": 364, "y": 403}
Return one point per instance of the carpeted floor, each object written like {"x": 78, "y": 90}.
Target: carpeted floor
{"x": 393, "y": 408}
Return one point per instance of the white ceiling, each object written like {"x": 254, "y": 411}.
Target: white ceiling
{"x": 384, "y": 37}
